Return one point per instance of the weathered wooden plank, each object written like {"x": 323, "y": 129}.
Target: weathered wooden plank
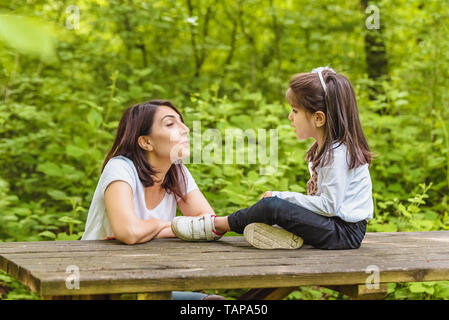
{"x": 335, "y": 264}
{"x": 249, "y": 252}
{"x": 175, "y": 262}
{"x": 116, "y": 263}
{"x": 258, "y": 259}
{"x": 152, "y": 254}
{"x": 171, "y": 264}
{"x": 112, "y": 245}
{"x": 421, "y": 271}
{"x": 218, "y": 253}
{"x": 393, "y": 239}
{"x": 248, "y": 269}
{"x": 237, "y": 280}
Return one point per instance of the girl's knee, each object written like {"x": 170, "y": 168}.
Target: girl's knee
{"x": 272, "y": 210}
{"x": 270, "y": 203}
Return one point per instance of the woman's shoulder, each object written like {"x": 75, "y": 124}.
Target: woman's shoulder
{"x": 119, "y": 166}
{"x": 120, "y": 161}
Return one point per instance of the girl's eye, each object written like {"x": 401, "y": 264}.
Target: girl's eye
{"x": 169, "y": 125}
{"x": 294, "y": 111}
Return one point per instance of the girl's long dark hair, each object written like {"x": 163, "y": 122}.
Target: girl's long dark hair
{"x": 342, "y": 117}
{"x": 137, "y": 121}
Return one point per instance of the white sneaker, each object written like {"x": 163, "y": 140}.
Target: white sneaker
{"x": 264, "y": 236}
{"x": 195, "y": 228}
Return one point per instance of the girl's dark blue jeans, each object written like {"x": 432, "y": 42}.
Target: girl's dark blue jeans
{"x": 317, "y": 230}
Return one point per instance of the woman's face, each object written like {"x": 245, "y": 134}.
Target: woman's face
{"x": 169, "y": 135}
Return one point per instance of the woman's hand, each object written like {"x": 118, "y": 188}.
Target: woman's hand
{"x": 267, "y": 194}
{"x": 166, "y": 232}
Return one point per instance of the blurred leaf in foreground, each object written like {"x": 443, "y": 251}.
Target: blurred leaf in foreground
{"x": 28, "y": 36}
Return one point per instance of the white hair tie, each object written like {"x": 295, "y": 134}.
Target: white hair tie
{"x": 319, "y": 70}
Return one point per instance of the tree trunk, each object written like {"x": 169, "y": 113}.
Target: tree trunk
{"x": 375, "y": 56}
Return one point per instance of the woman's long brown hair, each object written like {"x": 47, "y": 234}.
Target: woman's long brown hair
{"x": 137, "y": 121}
{"x": 339, "y": 105}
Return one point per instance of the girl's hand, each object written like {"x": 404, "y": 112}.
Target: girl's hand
{"x": 109, "y": 238}
{"x": 267, "y": 194}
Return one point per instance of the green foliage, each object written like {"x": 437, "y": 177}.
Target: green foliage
{"x": 315, "y": 293}
{"x": 27, "y": 35}
{"x": 227, "y": 64}
{"x": 15, "y": 289}
{"x": 418, "y": 291}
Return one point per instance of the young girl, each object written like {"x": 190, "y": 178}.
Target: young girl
{"x": 338, "y": 203}
{"x": 142, "y": 181}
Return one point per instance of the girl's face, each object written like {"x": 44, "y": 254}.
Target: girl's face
{"x": 169, "y": 135}
{"x": 303, "y": 123}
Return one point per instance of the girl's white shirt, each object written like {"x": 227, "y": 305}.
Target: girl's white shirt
{"x": 341, "y": 192}
{"x": 123, "y": 169}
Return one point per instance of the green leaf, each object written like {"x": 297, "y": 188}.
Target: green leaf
{"x": 66, "y": 237}
{"x": 69, "y": 220}
{"x": 48, "y": 234}
{"x": 417, "y": 287}
{"x": 28, "y": 36}
{"x": 402, "y": 293}
{"x": 57, "y": 194}
{"x": 74, "y": 151}
{"x": 50, "y": 169}
{"x": 442, "y": 289}
{"x": 94, "y": 118}
{"x": 404, "y": 211}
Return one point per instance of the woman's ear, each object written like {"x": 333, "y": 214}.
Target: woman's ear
{"x": 319, "y": 118}
{"x": 145, "y": 143}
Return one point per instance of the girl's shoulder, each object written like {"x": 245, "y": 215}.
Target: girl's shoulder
{"x": 336, "y": 156}
{"x": 340, "y": 152}
{"x": 339, "y": 147}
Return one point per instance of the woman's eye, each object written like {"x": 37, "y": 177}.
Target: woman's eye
{"x": 294, "y": 111}
{"x": 169, "y": 125}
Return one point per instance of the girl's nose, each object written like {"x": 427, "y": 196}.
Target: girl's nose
{"x": 290, "y": 116}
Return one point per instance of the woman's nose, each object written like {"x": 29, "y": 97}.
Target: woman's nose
{"x": 185, "y": 129}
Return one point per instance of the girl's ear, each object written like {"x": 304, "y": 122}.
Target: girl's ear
{"x": 319, "y": 118}
{"x": 145, "y": 143}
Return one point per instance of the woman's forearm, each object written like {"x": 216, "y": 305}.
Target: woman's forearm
{"x": 149, "y": 229}
{"x": 166, "y": 233}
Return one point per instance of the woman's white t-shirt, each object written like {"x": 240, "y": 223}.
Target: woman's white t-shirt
{"x": 123, "y": 169}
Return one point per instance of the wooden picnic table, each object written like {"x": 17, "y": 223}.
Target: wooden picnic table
{"x": 108, "y": 268}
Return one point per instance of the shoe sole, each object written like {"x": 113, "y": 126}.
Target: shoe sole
{"x": 264, "y": 236}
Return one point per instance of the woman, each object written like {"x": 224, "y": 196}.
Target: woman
{"x": 143, "y": 180}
